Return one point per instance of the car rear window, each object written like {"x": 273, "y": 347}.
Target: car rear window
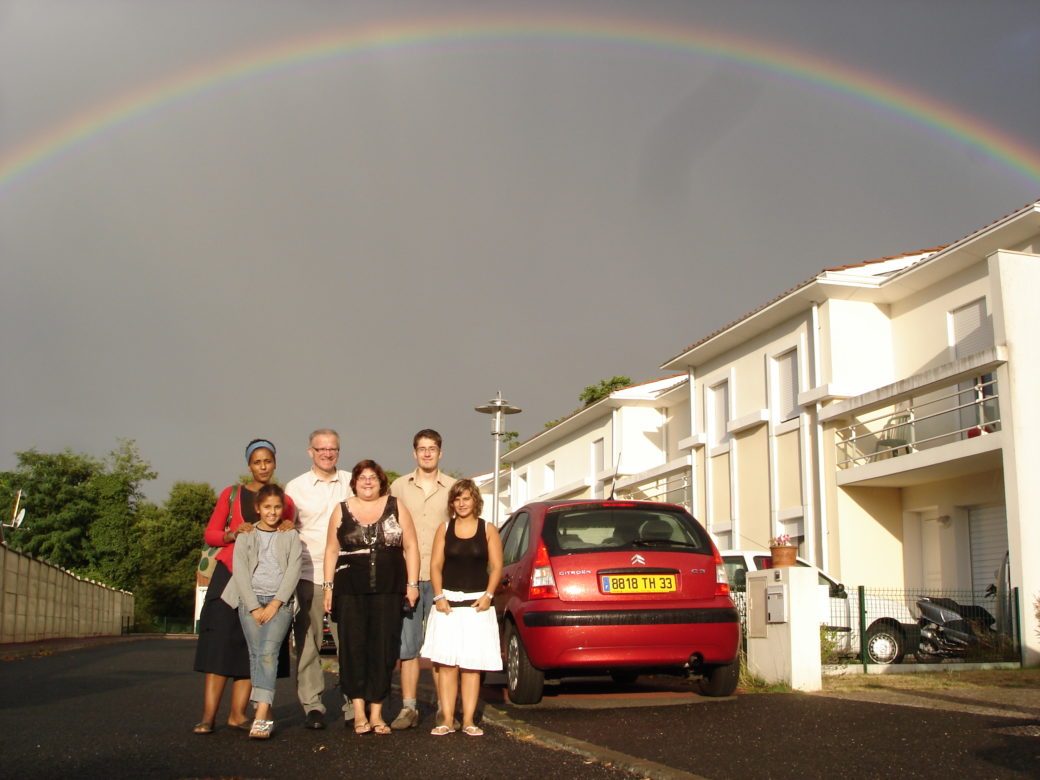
{"x": 584, "y": 529}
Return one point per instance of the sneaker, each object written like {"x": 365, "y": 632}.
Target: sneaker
{"x": 406, "y": 719}
{"x": 315, "y": 720}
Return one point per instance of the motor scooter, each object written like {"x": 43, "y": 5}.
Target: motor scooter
{"x": 951, "y": 630}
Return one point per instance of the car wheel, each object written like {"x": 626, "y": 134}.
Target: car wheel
{"x": 885, "y": 644}
{"x": 720, "y": 680}
{"x": 525, "y": 682}
{"x": 624, "y": 676}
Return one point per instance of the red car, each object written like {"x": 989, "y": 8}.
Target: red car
{"x": 618, "y": 587}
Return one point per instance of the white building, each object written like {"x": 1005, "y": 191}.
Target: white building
{"x": 628, "y": 440}
{"x": 880, "y": 413}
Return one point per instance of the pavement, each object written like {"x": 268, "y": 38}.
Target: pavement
{"x": 657, "y": 727}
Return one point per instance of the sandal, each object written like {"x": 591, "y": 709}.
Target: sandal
{"x": 202, "y": 727}
{"x": 246, "y": 725}
{"x": 261, "y": 729}
{"x": 364, "y": 727}
{"x": 473, "y": 731}
{"x": 441, "y": 731}
{"x": 380, "y": 728}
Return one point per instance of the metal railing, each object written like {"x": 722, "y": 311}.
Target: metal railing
{"x": 950, "y": 414}
{"x": 671, "y": 489}
{"x": 890, "y": 620}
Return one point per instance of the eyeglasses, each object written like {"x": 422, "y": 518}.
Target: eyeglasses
{"x": 427, "y": 450}
{"x": 326, "y": 450}
{"x": 368, "y": 478}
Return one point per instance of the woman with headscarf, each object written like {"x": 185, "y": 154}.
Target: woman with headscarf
{"x": 222, "y": 653}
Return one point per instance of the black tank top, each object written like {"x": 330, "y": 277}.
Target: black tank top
{"x": 465, "y": 560}
{"x": 371, "y": 558}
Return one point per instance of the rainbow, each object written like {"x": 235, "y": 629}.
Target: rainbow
{"x": 802, "y": 68}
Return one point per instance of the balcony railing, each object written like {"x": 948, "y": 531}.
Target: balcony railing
{"x": 671, "y": 489}
{"x": 947, "y": 415}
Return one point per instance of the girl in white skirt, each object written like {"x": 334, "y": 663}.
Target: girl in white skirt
{"x": 462, "y": 632}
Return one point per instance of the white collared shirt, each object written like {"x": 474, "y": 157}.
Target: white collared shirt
{"x": 315, "y": 500}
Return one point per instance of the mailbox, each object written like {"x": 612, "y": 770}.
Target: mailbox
{"x": 776, "y": 604}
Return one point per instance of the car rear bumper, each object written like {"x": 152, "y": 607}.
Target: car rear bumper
{"x": 577, "y": 639}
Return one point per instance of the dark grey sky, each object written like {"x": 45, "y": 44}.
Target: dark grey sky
{"x": 381, "y": 241}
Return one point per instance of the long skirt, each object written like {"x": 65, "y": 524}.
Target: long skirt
{"x": 221, "y": 647}
{"x": 369, "y": 643}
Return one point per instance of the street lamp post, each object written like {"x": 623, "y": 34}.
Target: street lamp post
{"x": 496, "y": 407}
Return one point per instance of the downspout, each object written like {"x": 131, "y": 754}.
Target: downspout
{"x": 693, "y": 454}
{"x": 821, "y": 482}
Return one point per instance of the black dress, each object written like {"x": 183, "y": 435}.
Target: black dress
{"x": 368, "y": 601}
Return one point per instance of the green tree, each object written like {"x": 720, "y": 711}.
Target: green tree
{"x": 114, "y": 534}
{"x": 593, "y": 393}
{"x": 58, "y": 503}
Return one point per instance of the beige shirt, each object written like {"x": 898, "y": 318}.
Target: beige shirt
{"x": 428, "y": 511}
{"x": 315, "y": 500}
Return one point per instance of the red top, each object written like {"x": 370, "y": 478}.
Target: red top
{"x": 215, "y": 528}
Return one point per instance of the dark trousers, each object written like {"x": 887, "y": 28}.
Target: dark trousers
{"x": 369, "y": 643}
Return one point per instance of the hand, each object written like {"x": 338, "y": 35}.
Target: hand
{"x": 267, "y": 612}
{"x": 287, "y": 524}
{"x": 245, "y": 528}
{"x": 442, "y": 605}
{"x": 482, "y": 603}
{"x": 411, "y": 595}
{"x": 258, "y": 615}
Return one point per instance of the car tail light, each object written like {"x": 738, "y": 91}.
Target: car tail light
{"x": 543, "y": 584}
{"x": 721, "y": 580}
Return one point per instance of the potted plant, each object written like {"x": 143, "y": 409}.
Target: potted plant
{"x": 783, "y": 551}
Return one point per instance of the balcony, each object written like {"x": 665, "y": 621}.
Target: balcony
{"x": 918, "y": 431}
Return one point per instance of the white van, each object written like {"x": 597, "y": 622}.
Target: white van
{"x": 892, "y": 630}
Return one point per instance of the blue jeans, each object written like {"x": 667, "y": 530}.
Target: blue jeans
{"x": 264, "y": 643}
{"x": 414, "y": 626}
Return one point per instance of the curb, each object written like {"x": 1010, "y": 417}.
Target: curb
{"x": 639, "y": 766}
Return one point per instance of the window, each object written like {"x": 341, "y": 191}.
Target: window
{"x": 521, "y": 489}
{"x": 719, "y": 413}
{"x": 549, "y": 477}
{"x": 516, "y": 535}
{"x": 971, "y": 329}
{"x": 787, "y": 386}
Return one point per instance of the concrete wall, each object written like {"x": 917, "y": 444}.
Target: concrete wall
{"x": 41, "y": 601}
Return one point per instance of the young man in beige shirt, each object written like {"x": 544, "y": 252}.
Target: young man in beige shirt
{"x": 425, "y": 493}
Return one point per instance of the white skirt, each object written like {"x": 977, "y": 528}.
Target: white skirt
{"x": 464, "y": 637}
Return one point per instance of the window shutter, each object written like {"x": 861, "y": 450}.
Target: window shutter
{"x": 972, "y": 331}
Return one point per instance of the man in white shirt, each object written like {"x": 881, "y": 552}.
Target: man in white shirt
{"x": 425, "y": 493}
{"x": 316, "y": 494}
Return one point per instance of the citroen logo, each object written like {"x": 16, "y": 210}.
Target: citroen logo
{"x": 637, "y": 558}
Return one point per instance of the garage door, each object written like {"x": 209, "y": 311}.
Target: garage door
{"x": 989, "y": 542}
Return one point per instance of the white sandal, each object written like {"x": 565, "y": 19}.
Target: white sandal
{"x": 262, "y": 729}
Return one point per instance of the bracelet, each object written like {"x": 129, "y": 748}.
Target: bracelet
{"x": 438, "y": 597}
{"x": 413, "y": 585}
{"x": 490, "y": 597}
{"x": 326, "y": 586}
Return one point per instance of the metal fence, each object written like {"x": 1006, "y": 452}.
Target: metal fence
{"x": 885, "y": 626}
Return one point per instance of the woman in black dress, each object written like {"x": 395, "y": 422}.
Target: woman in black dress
{"x": 371, "y": 569}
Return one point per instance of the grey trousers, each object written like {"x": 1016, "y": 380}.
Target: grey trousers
{"x": 310, "y": 679}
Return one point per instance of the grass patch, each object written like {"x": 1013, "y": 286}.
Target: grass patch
{"x": 931, "y": 681}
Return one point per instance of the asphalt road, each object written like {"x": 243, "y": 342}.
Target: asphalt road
{"x": 126, "y": 710}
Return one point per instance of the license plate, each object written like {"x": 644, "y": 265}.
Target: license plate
{"x": 637, "y": 583}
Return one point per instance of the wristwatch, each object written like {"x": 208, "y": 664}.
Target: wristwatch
{"x": 326, "y": 586}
